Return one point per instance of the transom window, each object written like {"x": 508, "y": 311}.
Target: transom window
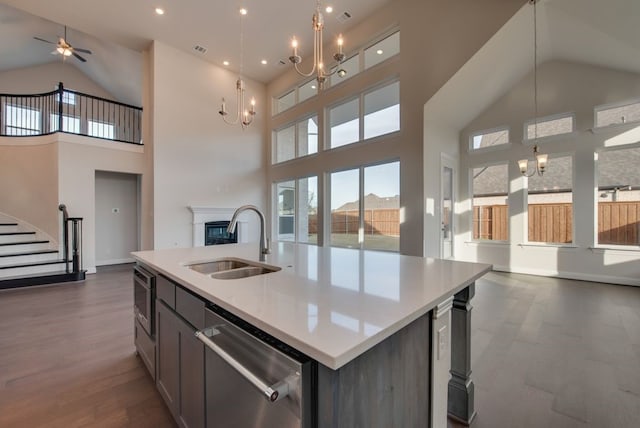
{"x": 617, "y": 114}
{"x": 547, "y": 127}
{"x": 491, "y": 138}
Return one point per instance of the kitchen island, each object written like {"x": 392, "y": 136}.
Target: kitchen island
{"x": 376, "y": 323}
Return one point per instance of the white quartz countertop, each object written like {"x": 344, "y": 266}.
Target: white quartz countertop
{"x": 332, "y": 304}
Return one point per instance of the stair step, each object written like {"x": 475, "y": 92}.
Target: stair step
{"x": 2, "y": 244}
{"x": 32, "y": 264}
{"x": 9, "y": 237}
{"x": 40, "y": 279}
{"x": 33, "y": 268}
{"x": 28, "y": 253}
{"x": 14, "y": 258}
{"x": 16, "y": 247}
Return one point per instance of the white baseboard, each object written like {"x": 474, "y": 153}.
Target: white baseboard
{"x": 572, "y": 275}
{"x": 114, "y": 261}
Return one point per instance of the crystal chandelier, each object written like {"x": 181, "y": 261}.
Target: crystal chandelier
{"x": 540, "y": 158}
{"x": 317, "y": 23}
{"x": 243, "y": 115}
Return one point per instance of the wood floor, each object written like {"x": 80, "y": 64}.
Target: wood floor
{"x": 546, "y": 353}
{"x": 67, "y": 357}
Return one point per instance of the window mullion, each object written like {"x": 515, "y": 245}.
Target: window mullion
{"x": 361, "y": 208}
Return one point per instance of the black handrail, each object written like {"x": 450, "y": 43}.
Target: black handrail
{"x": 76, "y": 241}
{"x": 68, "y": 111}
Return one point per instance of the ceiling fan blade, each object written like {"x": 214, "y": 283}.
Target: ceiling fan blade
{"x": 78, "y": 56}
{"x": 46, "y": 41}
{"x": 87, "y": 51}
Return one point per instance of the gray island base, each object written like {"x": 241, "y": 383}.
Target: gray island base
{"x": 401, "y": 358}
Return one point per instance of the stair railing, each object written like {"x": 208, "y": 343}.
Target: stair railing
{"x": 75, "y": 224}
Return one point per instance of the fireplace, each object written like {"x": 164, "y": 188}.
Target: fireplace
{"x": 205, "y": 215}
{"x": 215, "y": 233}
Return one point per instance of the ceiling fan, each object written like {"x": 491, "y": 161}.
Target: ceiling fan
{"x": 64, "y": 48}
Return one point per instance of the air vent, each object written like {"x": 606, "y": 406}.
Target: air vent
{"x": 282, "y": 62}
{"x": 200, "y": 49}
{"x": 343, "y": 17}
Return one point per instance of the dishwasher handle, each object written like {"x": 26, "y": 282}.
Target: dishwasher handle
{"x": 274, "y": 393}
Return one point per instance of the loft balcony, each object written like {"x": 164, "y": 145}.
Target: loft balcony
{"x": 70, "y": 112}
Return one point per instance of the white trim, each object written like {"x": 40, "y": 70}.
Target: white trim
{"x": 114, "y": 261}
{"x": 571, "y": 275}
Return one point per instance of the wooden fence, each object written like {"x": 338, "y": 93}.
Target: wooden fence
{"x": 618, "y": 223}
{"x": 376, "y": 222}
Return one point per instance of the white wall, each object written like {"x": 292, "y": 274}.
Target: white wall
{"x": 197, "y": 158}
{"x": 45, "y": 78}
{"x": 29, "y": 182}
{"x": 563, "y": 87}
{"x": 116, "y": 217}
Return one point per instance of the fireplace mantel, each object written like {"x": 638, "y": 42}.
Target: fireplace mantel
{"x": 202, "y": 214}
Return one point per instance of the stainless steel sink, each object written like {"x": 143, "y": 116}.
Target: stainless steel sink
{"x": 218, "y": 265}
{"x": 243, "y": 272}
{"x": 232, "y": 268}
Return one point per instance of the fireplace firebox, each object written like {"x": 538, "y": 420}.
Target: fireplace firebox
{"x": 215, "y": 233}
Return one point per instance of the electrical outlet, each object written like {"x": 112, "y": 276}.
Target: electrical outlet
{"x": 443, "y": 341}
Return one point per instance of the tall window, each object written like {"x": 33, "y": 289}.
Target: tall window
{"x": 550, "y": 202}
{"x": 374, "y": 223}
{"x": 490, "y": 202}
{"x": 21, "y": 121}
{"x": 297, "y": 210}
{"x": 619, "y": 197}
{"x": 381, "y": 116}
{"x": 299, "y": 139}
{"x": 382, "y": 111}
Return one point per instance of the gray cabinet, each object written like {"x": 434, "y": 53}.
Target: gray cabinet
{"x": 180, "y": 367}
{"x": 146, "y": 347}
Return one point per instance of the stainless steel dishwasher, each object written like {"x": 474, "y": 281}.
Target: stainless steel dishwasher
{"x": 253, "y": 379}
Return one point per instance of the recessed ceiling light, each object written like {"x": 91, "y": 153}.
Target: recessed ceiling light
{"x": 159, "y": 11}
{"x": 243, "y": 11}
{"x": 329, "y": 9}
{"x": 313, "y": 86}
{"x": 263, "y": 62}
{"x": 379, "y": 52}
{"x": 225, "y": 62}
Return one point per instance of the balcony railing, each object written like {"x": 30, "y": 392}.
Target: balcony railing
{"x": 72, "y": 112}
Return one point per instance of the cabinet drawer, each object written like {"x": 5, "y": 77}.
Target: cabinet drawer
{"x": 190, "y": 307}
{"x": 166, "y": 291}
{"x": 146, "y": 348}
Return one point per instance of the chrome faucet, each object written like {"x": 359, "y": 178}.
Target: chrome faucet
{"x": 264, "y": 241}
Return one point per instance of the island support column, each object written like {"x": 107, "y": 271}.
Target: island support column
{"x": 461, "y": 388}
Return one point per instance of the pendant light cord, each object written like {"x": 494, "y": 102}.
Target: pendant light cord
{"x": 535, "y": 70}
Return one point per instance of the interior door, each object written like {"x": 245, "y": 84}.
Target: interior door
{"x": 447, "y": 208}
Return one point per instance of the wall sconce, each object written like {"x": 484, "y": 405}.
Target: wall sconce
{"x": 541, "y": 163}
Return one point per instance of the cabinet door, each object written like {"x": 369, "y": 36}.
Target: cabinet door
{"x": 168, "y": 353}
{"x": 192, "y": 411}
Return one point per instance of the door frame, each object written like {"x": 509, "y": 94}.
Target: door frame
{"x": 448, "y": 161}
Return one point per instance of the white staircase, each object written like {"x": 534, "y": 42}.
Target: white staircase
{"x": 26, "y": 253}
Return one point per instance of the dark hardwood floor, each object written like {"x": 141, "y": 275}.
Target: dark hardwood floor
{"x": 546, "y": 353}
{"x": 67, "y": 357}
